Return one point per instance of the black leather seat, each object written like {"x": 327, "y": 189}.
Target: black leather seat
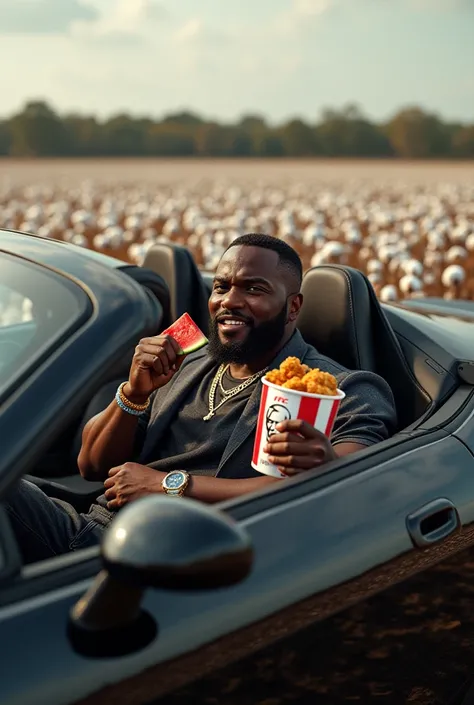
{"x": 188, "y": 292}
{"x": 342, "y": 318}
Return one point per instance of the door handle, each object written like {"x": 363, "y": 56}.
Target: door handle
{"x": 433, "y": 522}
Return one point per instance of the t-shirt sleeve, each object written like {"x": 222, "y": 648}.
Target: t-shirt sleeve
{"x": 367, "y": 414}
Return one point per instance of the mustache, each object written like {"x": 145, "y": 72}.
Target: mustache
{"x": 236, "y": 316}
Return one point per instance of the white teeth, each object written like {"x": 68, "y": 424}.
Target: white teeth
{"x": 231, "y": 322}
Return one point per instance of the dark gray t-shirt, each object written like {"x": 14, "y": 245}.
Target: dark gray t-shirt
{"x": 196, "y": 445}
{"x": 191, "y": 443}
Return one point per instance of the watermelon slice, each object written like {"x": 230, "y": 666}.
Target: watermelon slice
{"x": 187, "y": 334}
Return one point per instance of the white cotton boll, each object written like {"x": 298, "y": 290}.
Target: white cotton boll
{"x": 454, "y": 274}
{"x": 171, "y": 227}
{"x": 193, "y": 240}
{"x": 470, "y": 242}
{"x": 365, "y": 253}
{"x": 412, "y": 266}
{"x": 99, "y": 242}
{"x": 104, "y": 222}
{"x": 333, "y": 249}
{"x": 374, "y": 265}
{"x": 136, "y": 253}
{"x": 133, "y": 222}
{"x": 409, "y": 227}
{"x": 429, "y": 278}
{"x": 410, "y": 284}
{"x": 114, "y": 236}
{"x": 388, "y": 293}
{"x": 455, "y": 252}
{"x": 374, "y": 277}
{"x": 220, "y": 238}
{"x": 44, "y": 231}
{"x": 80, "y": 240}
{"x": 28, "y": 227}
{"x": 459, "y": 234}
{"x": 317, "y": 259}
{"x": 433, "y": 259}
{"x": 82, "y": 216}
{"x": 353, "y": 237}
{"x": 34, "y": 213}
{"x": 68, "y": 235}
{"x": 386, "y": 253}
{"x": 129, "y": 236}
{"x": 311, "y": 234}
{"x": 436, "y": 241}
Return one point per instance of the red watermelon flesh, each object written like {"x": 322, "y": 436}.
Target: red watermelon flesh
{"x": 187, "y": 334}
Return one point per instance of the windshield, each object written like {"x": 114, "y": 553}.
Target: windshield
{"x": 37, "y": 307}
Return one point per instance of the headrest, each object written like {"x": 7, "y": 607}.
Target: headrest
{"x": 336, "y": 315}
{"x": 188, "y": 293}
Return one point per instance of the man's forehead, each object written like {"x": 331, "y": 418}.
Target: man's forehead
{"x": 247, "y": 261}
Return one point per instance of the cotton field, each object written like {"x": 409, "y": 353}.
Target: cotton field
{"x": 410, "y": 228}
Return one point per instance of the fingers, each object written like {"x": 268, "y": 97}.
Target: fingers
{"x": 162, "y": 353}
{"x": 301, "y": 462}
{"x": 110, "y": 493}
{"x": 301, "y": 427}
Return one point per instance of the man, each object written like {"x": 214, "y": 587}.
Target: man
{"x": 197, "y": 415}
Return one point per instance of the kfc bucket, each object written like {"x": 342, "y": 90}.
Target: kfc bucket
{"x": 279, "y": 404}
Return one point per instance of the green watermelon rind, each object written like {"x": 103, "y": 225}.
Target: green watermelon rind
{"x": 197, "y": 344}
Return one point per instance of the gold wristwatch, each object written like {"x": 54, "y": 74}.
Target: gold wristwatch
{"x": 175, "y": 483}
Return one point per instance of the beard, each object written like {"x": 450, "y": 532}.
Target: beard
{"x": 260, "y": 339}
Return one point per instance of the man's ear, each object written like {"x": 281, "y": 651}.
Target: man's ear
{"x": 295, "y": 307}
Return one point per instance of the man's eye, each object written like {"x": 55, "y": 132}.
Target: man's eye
{"x": 219, "y": 288}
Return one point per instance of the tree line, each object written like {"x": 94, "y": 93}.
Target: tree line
{"x": 39, "y": 131}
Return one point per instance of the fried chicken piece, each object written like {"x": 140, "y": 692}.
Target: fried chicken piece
{"x": 275, "y": 377}
{"x": 318, "y": 382}
{"x": 292, "y": 367}
{"x": 295, "y": 383}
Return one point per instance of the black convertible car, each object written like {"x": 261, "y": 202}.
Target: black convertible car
{"x": 354, "y": 584}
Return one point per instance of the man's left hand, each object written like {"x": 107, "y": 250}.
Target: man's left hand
{"x": 298, "y": 447}
{"x": 129, "y": 482}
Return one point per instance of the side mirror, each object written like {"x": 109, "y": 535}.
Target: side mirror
{"x": 161, "y": 542}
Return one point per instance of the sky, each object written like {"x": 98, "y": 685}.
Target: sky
{"x": 226, "y": 58}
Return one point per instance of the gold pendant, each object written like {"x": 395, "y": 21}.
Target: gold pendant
{"x": 208, "y": 416}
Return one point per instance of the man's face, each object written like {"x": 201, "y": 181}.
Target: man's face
{"x": 249, "y": 307}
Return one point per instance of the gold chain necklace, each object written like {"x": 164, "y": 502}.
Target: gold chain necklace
{"x": 227, "y": 394}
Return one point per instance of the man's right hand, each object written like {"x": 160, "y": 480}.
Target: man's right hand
{"x": 155, "y": 362}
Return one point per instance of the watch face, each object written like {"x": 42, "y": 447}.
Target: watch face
{"x": 175, "y": 480}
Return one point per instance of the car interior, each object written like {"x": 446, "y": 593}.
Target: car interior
{"x": 341, "y": 317}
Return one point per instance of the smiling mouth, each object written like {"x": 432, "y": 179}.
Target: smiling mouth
{"x": 231, "y": 322}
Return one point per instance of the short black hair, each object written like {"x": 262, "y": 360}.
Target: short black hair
{"x": 288, "y": 257}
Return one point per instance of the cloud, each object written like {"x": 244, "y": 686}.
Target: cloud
{"x": 128, "y": 22}
{"x": 302, "y": 15}
{"x": 44, "y": 16}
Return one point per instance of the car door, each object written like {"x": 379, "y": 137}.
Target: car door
{"x": 322, "y": 544}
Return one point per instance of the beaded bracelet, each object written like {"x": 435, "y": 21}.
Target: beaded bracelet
{"x": 127, "y": 405}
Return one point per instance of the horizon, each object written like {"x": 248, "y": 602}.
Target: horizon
{"x": 280, "y": 59}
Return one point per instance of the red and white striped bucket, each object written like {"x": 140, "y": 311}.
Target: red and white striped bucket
{"x": 279, "y": 404}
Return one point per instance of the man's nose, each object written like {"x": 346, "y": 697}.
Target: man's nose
{"x": 233, "y": 299}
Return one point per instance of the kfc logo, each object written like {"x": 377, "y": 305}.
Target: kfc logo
{"x": 276, "y": 413}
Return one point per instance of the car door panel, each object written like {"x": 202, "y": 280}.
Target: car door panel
{"x": 307, "y": 552}
{"x": 412, "y": 644}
